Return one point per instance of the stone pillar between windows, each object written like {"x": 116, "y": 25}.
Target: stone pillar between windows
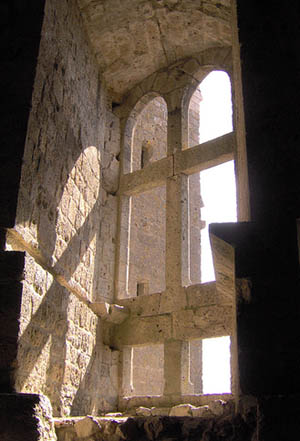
{"x": 123, "y": 270}
{"x": 172, "y": 368}
{"x": 173, "y": 234}
{"x": 186, "y": 244}
{"x": 174, "y": 131}
{"x": 195, "y": 204}
{"x": 195, "y": 362}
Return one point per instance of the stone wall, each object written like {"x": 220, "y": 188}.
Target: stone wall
{"x": 67, "y": 212}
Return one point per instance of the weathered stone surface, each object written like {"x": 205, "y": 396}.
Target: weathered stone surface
{"x": 172, "y": 32}
{"x": 218, "y": 407}
{"x": 160, "y": 411}
{"x": 181, "y": 410}
{"x": 208, "y": 154}
{"x": 64, "y": 212}
{"x": 87, "y": 427}
{"x": 143, "y": 411}
{"x": 202, "y": 412}
{"x": 110, "y": 312}
{"x": 208, "y": 426}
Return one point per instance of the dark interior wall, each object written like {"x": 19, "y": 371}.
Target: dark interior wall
{"x": 269, "y": 37}
{"x": 268, "y": 333}
{"x": 20, "y": 29}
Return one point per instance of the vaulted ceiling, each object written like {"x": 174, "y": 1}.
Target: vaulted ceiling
{"x": 134, "y": 38}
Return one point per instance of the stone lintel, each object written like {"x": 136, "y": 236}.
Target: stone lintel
{"x": 202, "y": 322}
{"x": 203, "y": 294}
{"x": 192, "y": 297}
{"x": 154, "y": 175}
{"x": 143, "y": 330}
{"x": 206, "y": 155}
{"x": 143, "y": 306}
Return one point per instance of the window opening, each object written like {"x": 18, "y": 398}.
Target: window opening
{"x": 146, "y": 154}
{"x": 206, "y": 366}
{"x": 207, "y": 195}
{"x": 211, "y": 193}
{"x": 149, "y": 142}
{"x": 142, "y": 232}
{"x": 215, "y": 106}
{"x": 142, "y": 244}
{"x": 216, "y": 370}
{"x": 143, "y": 370}
{"x": 218, "y": 191}
{"x": 142, "y": 288}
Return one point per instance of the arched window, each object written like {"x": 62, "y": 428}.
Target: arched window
{"x": 211, "y": 198}
{"x": 215, "y": 106}
{"x": 163, "y": 196}
{"x": 142, "y": 246}
{"x": 212, "y": 192}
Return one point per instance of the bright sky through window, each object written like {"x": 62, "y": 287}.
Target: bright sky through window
{"x": 216, "y": 365}
{"x": 218, "y": 188}
{"x": 216, "y": 106}
{"x": 218, "y": 191}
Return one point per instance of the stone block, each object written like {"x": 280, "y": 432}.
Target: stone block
{"x": 143, "y": 411}
{"x": 143, "y": 307}
{"x": 110, "y": 312}
{"x": 218, "y": 407}
{"x": 181, "y": 410}
{"x": 160, "y": 411}
{"x": 150, "y": 330}
{"x": 202, "y": 294}
{"x": 202, "y": 412}
{"x": 87, "y": 427}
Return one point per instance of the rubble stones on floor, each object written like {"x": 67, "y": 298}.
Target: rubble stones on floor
{"x": 158, "y": 428}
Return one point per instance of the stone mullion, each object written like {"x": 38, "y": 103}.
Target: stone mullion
{"x": 173, "y": 234}
{"x": 186, "y": 245}
{"x": 172, "y": 369}
{"x": 173, "y": 348}
{"x": 174, "y": 132}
